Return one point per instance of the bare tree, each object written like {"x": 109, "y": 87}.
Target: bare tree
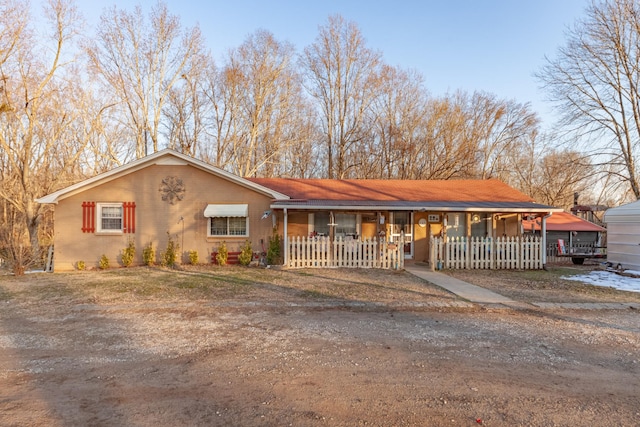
{"x": 547, "y": 174}
{"x": 497, "y": 127}
{"x": 302, "y": 154}
{"x": 341, "y": 73}
{"x": 222, "y": 98}
{"x": 398, "y": 116}
{"x": 40, "y": 117}
{"x": 260, "y": 115}
{"x": 13, "y": 27}
{"x": 595, "y": 80}
{"x": 187, "y": 109}
{"x": 142, "y": 61}
{"x": 267, "y": 86}
{"x": 448, "y": 150}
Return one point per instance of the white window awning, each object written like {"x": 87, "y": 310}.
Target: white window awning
{"x": 226, "y": 211}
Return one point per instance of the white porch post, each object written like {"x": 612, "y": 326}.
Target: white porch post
{"x": 543, "y": 232}
{"x": 286, "y": 237}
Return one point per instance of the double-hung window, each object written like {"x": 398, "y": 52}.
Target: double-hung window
{"x": 227, "y": 220}
{"x": 228, "y": 226}
{"x": 110, "y": 217}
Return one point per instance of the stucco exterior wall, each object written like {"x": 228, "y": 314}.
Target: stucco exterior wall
{"x": 421, "y": 236}
{"x": 297, "y": 224}
{"x": 156, "y": 217}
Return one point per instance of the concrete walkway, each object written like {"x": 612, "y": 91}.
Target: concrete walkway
{"x": 463, "y": 289}
{"x": 480, "y": 295}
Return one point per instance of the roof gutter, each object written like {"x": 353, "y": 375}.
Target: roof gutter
{"x": 412, "y": 208}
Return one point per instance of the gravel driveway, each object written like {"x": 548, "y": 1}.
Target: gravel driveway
{"x": 214, "y": 346}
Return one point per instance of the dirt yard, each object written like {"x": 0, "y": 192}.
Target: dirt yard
{"x": 261, "y": 347}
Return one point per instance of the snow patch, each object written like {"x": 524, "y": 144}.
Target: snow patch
{"x": 610, "y": 279}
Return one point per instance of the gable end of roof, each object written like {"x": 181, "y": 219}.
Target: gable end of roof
{"x": 166, "y": 157}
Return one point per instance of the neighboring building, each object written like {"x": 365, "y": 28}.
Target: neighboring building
{"x": 591, "y": 213}
{"x": 623, "y": 236}
{"x": 198, "y": 205}
{"x": 572, "y": 230}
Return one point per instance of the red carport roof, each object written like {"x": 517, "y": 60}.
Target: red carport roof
{"x": 563, "y": 221}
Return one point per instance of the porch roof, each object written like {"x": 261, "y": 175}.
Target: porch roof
{"x": 464, "y": 190}
{"x": 416, "y": 195}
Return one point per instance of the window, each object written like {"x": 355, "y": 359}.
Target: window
{"x": 228, "y": 226}
{"x": 401, "y": 223}
{"x": 456, "y": 225}
{"x": 480, "y": 225}
{"x": 110, "y": 217}
{"x": 346, "y": 225}
{"x": 321, "y": 223}
{"x": 228, "y": 220}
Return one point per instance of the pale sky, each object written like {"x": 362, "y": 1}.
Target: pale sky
{"x": 493, "y": 46}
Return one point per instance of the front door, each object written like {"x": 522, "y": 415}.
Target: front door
{"x": 401, "y": 223}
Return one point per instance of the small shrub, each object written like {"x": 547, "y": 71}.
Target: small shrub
{"x": 104, "y": 262}
{"x": 273, "y": 252}
{"x": 80, "y": 265}
{"x": 149, "y": 255}
{"x": 223, "y": 254}
{"x": 193, "y": 257}
{"x": 246, "y": 253}
{"x": 169, "y": 257}
{"x": 128, "y": 253}
{"x": 18, "y": 257}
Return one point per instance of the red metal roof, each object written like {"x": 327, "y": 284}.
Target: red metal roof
{"x": 491, "y": 190}
{"x": 563, "y": 221}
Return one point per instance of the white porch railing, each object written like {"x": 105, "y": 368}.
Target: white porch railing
{"x": 352, "y": 253}
{"x": 521, "y": 252}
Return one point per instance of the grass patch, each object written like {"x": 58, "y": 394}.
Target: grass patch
{"x": 158, "y": 283}
{"x": 313, "y": 294}
{"x": 5, "y": 295}
{"x": 304, "y": 273}
{"x": 39, "y": 288}
{"x": 214, "y": 283}
{"x": 544, "y": 286}
{"x": 549, "y": 274}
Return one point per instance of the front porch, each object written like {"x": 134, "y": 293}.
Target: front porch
{"x": 471, "y": 253}
{"x": 385, "y": 239}
{"x": 407, "y": 214}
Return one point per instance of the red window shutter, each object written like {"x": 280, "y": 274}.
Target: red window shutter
{"x": 129, "y": 213}
{"x": 88, "y": 217}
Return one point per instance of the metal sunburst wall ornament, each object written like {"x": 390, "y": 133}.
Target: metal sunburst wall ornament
{"x": 172, "y": 189}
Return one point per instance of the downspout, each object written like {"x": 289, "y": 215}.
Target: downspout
{"x": 543, "y": 232}
{"x": 286, "y": 237}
